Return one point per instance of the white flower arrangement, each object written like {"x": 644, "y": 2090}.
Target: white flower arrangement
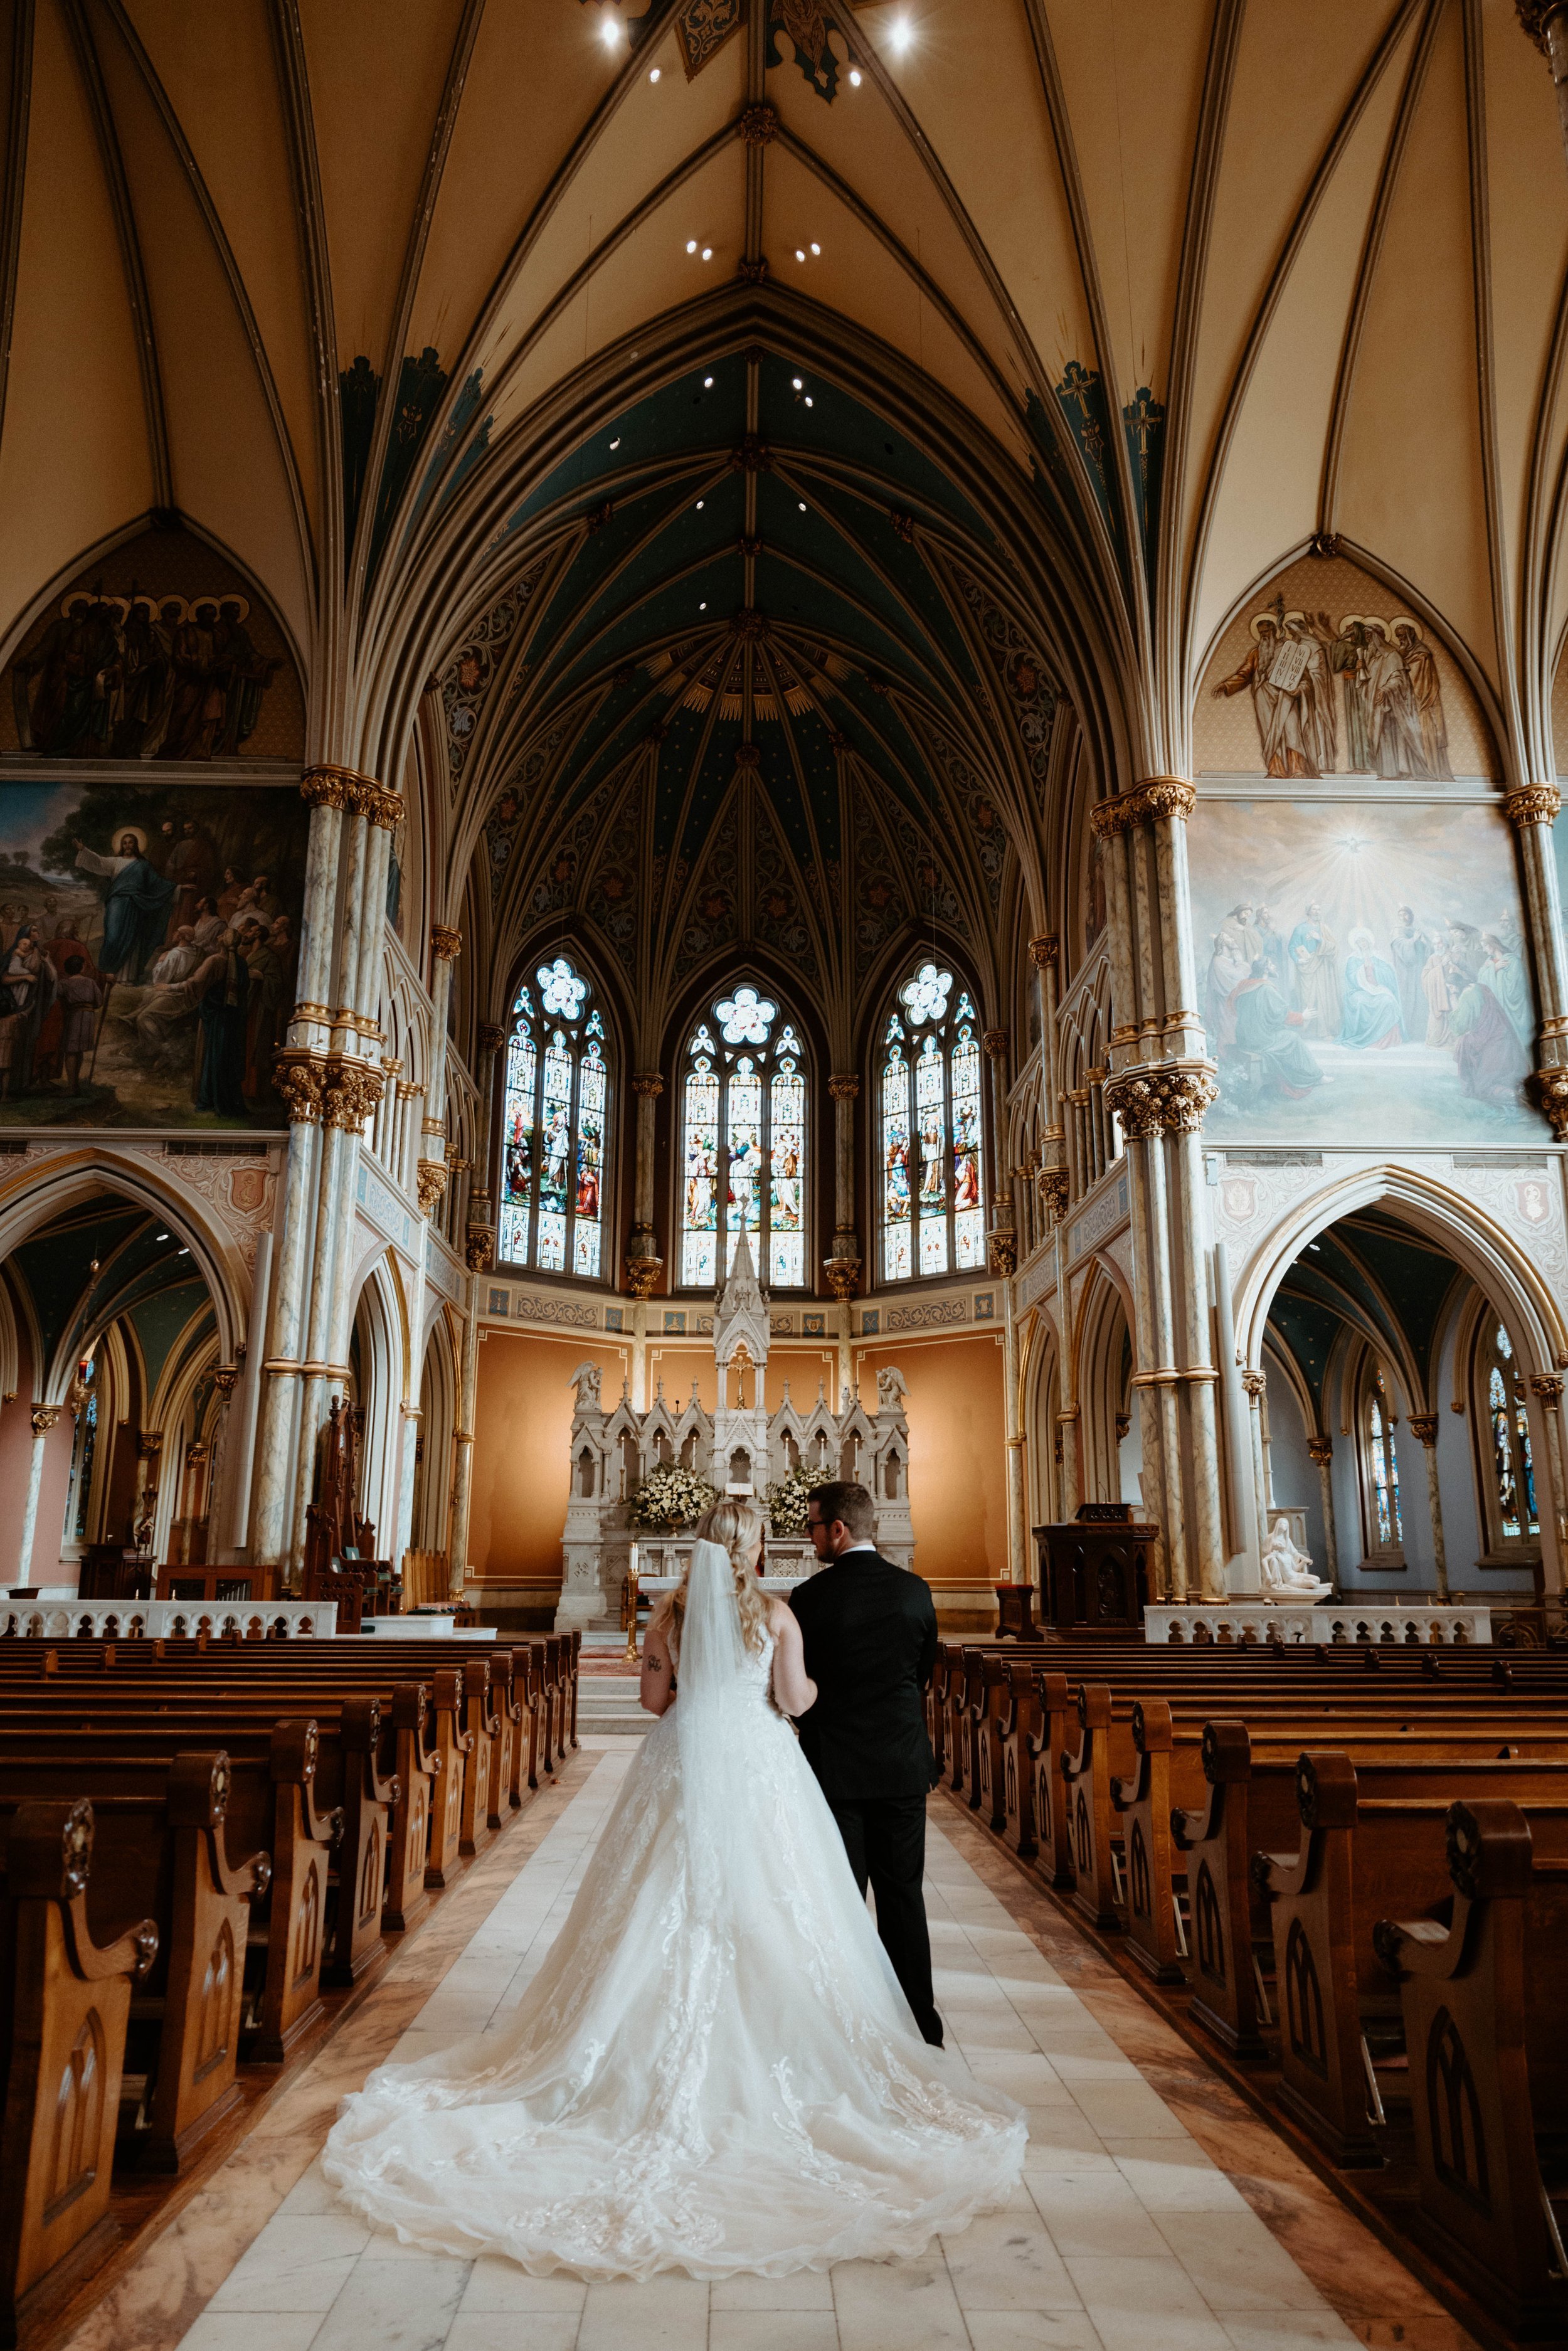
{"x": 670, "y": 1499}
{"x": 785, "y": 1501}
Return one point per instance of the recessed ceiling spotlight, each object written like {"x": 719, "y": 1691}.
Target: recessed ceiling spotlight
{"x": 691, "y": 244}
{"x": 701, "y": 503}
{"x": 854, "y": 77}
{"x": 796, "y": 383}
{"x": 902, "y": 35}
{"x": 707, "y": 383}
{"x": 707, "y": 253}
{"x": 799, "y": 253}
{"x": 654, "y": 75}
{"x": 802, "y": 506}
{"x": 159, "y": 1236}
{"x": 809, "y": 401}
{"x": 616, "y": 442}
{"x": 816, "y": 248}
{"x": 703, "y": 606}
{"x": 610, "y": 33}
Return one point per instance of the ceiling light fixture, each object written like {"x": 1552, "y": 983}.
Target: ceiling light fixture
{"x": 616, "y": 442}
{"x": 701, "y": 503}
{"x": 802, "y": 506}
{"x": 796, "y": 383}
{"x": 809, "y": 401}
{"x": 707, "y": 253}
{"x": 654, "y": 75}
{"x": 816, "y": 248}
{"x": 691, "y": 244}
{"x": 610, "y": 33}
{"x": 854, "y": 77}
{"x": 159, "y": 1236}
{"x": 707, "y": 383}
{"x": 901, "y": 36}
{"x": 799, "y": 253}
{"x": 702, "y": 607}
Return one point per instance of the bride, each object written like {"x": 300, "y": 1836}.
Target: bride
{"x": 713, "y": 2069}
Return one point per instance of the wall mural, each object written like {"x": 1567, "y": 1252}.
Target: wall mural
{"x": 1330, "y": 675}
{"x": 149, "y": 937}
{"x": 156, "y": 653}
{"x": 1362, "y": 972}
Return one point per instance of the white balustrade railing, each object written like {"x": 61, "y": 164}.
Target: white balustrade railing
{"x": 1334, "y": 1625}
{"x": 157, "y": 1620}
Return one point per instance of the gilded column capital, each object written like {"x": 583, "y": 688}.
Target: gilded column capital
{"x": 226, "y": 1379}
{"x": 331, "y": 786}
{"x": 995, "y": 1042}
{"x": 430, "y": 1184}
{"x": 351, "y": 1091}
{"x": 844, "y": 1087}
{"x": 409, "y": 1090}
{"x": 1533, "y": 804}
{"x": 491, "y": 1036}
{"x": 642, "y": 1276}
{"x": 149, "y": 1441}
{"x": 1320, "y": 1450}
{"x": 383, "y": 808}
{"x": 1424, "y": 1427}
{"x": 1162, "y": 1098}
{"x": 1256, "y": 1385}
{"x": 843, "y": 1273}
{"x": 1549, "y": 1390}
{"x": 446, "y": 944}
{"x": 44, "y": 1417}
{"x": 1535, "y": 15}
{"x": 300, "y": 1077}
{"x": 1548, "y": 1089}
{"x": 1004, "y": 1255}
{"x": 479, "y": 1247}
{"x": 1045, "y": 952}
{"x": 648, "y": 1085}
{"x": 1051, "y": 1183}
{"x": 1155, "y": 796}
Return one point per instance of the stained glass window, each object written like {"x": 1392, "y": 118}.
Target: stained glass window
{"x": 932, "y": 1121}
{"x": 1507, "y": 1422}
{"x": 553, "y": 1124}
{"x": 1387, "y": 1532}
{"x": 744, "y": 1141}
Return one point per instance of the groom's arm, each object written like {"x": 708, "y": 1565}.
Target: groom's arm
{"x": 927, "y": 1664}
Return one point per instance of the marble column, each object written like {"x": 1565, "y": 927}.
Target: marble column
{"x": 1424, "y": 1428}
{"x": 431, "y": 1175}
{"x": 479, "y": 1254}
{"x": 1551, "y": 1492}
{"x": 44, "y": 1417}
{"x": 1534, "y": 811}
{"x": 644, "y": 1264}
{"x": 1320, "y": 1449}
{"x": 1256, "y": 1382}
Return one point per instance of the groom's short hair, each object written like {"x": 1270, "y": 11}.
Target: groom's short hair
{"x": 849, "y": 1503}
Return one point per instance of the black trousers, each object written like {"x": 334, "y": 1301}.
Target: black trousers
{"x": 885, "y": 1837}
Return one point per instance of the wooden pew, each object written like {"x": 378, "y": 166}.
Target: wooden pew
{"x": 65, "y": 2004}
{"x": 1358, "y": 1858}
{"x": 1489, "y": 2065}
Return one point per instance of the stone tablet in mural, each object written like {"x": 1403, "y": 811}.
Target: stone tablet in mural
{"x": 1362, "y": 972}
{"x": 1327, "y": 674}
{"x": 156, "y": 653}
{"x": 148, "y": 936}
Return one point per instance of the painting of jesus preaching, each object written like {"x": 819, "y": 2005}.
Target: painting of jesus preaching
{"x": 1366, "y": 965}
{"x": 148, "y": 936}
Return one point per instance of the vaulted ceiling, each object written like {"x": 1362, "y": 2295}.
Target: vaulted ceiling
{"x": 1103, "y": 311}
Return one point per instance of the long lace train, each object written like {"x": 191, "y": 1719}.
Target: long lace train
{"x": 713, "y": 2069}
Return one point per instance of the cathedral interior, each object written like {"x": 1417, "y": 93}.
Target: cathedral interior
{"x": 927, "y": 631}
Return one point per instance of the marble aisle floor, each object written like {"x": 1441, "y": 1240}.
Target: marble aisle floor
{"x": 1125, "y": 2233}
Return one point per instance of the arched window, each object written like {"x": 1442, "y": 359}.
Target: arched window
{"x": 744, "y": 1140}
{"x": 553, "y": 1126}
{"x": 1385, "y": 1529}
{"x": 928, "y": 1103}
{"x": 1508, "y": 1472}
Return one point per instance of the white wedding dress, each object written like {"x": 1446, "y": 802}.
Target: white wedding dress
{"x": 715, "y": 2069}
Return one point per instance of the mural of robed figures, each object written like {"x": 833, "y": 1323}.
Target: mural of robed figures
{"x": 159, "y": 653}
{"x": 149, "y": 937}
{"x": 1328, "y": 676}
{"x": 1365, "y": 972}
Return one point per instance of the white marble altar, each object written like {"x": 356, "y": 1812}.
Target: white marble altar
{"x": 740, "y": 1448}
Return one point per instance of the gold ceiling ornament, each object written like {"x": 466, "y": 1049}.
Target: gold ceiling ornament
{"x": 751, "y": 453}
{"x": 446, "y": 944}
{"x": 1534, "y": 803}
{"x": 758, "y": 124}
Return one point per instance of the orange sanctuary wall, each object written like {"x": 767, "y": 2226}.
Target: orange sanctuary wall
{"x": 958, "y": 1451}
{"x": 523, "y": 1429}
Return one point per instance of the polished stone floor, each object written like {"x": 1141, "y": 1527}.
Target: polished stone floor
{"x": 1156, "y": 2214}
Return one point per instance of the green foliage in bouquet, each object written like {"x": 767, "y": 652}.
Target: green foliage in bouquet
{"x": 784, "y": 1502}
{"x": 670, "y": 1499}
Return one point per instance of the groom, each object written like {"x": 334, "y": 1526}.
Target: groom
{"x": 869, "y": 1631}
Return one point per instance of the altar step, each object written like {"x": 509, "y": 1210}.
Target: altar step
{"x": 607, "y": 1707}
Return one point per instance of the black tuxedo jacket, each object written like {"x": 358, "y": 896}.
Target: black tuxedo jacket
{"x": 869, "y": 1630}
